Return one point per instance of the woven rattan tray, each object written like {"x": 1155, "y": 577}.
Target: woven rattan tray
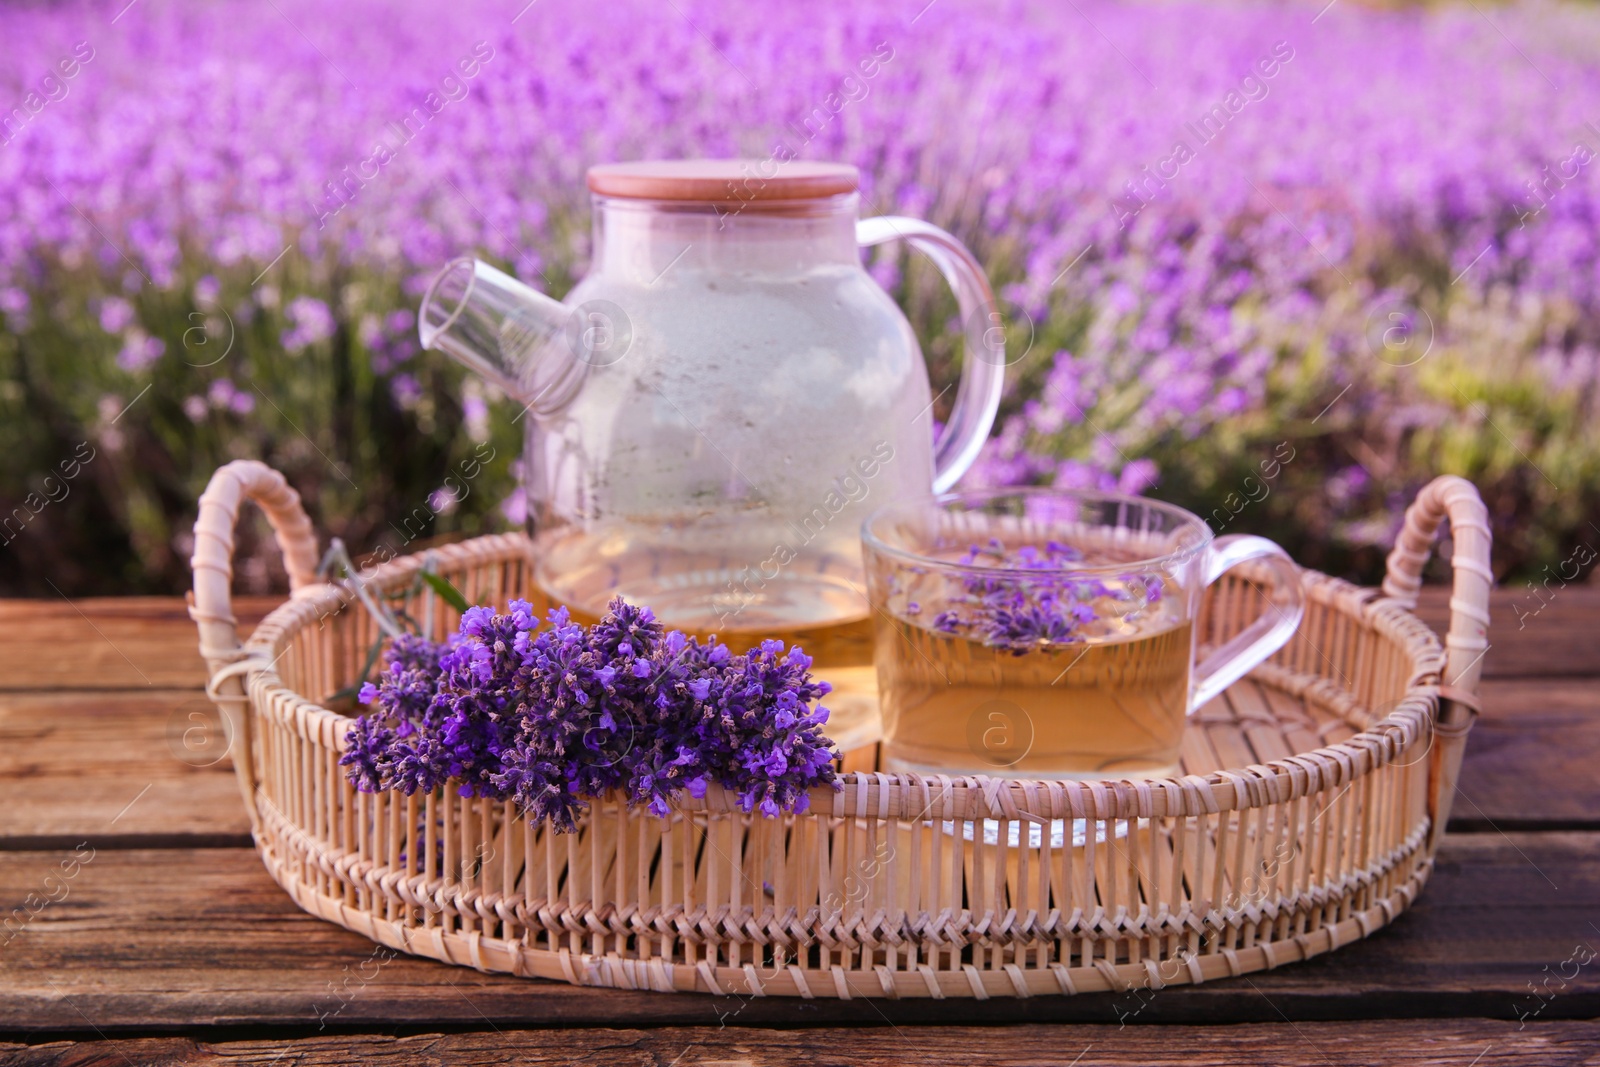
{"x": 1315, "y": 793}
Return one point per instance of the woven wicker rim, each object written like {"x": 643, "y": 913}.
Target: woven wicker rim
{"x": 328, "y": 846}
{"x": 891, "y": 796}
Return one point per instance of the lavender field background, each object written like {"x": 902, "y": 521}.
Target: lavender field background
{"x": 1278, "y": 263}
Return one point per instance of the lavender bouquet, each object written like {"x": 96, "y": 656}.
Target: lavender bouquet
{"x": 553, "y": 717}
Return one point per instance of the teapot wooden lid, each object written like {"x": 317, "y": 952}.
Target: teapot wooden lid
{"x": 723, "y": 180}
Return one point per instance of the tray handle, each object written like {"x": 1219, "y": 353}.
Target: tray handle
{"x": 1467, "y": 640}
{"x": 211, "y": 603}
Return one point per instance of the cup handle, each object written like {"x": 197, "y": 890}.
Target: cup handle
{"x": 983, "y": 371}
{"x": 1268, "y": 633}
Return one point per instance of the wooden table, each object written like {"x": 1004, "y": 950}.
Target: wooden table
{"x": 140, "y": 927}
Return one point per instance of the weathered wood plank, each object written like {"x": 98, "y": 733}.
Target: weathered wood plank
{"x": 149, "y": 767}
{"x": 149, "y": 642}
{"x": 1532, "y": 757}
{"x": 1559, "y": 639}
{"x": 108, "y": 643}
{"x": 146, "y": 940}
{"x": 1442, "y": 1043}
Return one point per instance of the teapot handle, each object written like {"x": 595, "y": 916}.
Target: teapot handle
{"x": 983, "y": 370}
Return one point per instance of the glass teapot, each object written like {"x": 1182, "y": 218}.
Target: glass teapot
{"x": 721, "y": 401}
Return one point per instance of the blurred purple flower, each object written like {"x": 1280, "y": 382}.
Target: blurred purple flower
{"x": 224, "y": 395}
{"x": 442, "y": 501}
{"x": 1137, "y": 476}
{"x": 406, "y": 390}
{"x": 140, "y": 350}
{"x": 369, "y": 331}
{"x": 310, "y": 321}
{"x": 1346, "y": 485}
{"x": 115, "y": 314}
{"x": 515, "y": 507}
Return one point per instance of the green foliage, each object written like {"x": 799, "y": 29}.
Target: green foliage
{"x": 366, "y": 457}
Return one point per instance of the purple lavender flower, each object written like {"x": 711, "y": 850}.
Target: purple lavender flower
{"x": 116, "y": 314}
{"x": 744, "y": 722}
{"x": 1046, "y": 605}
{"x": 405, "y": 693}
{"x": 514, "y": 508}
{"x": 139, "y": 351}
{"x": 406, "y": 390}
{"x": 310, "y": 322}
{"x": 553, "y": 717}
{"x": 225, "y": 396}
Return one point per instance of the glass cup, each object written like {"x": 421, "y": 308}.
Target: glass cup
{"x": 1042, "y": 633}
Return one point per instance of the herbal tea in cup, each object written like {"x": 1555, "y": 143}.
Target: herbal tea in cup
{"x": 1051, "y": 634}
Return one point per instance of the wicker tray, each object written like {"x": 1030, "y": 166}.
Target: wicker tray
{"x": 1315, "y": 793}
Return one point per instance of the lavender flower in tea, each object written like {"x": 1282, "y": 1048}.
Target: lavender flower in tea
{"x": 1049, "y": 605}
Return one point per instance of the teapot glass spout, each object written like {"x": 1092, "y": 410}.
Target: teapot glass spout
{"x": 509, "y": 334}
